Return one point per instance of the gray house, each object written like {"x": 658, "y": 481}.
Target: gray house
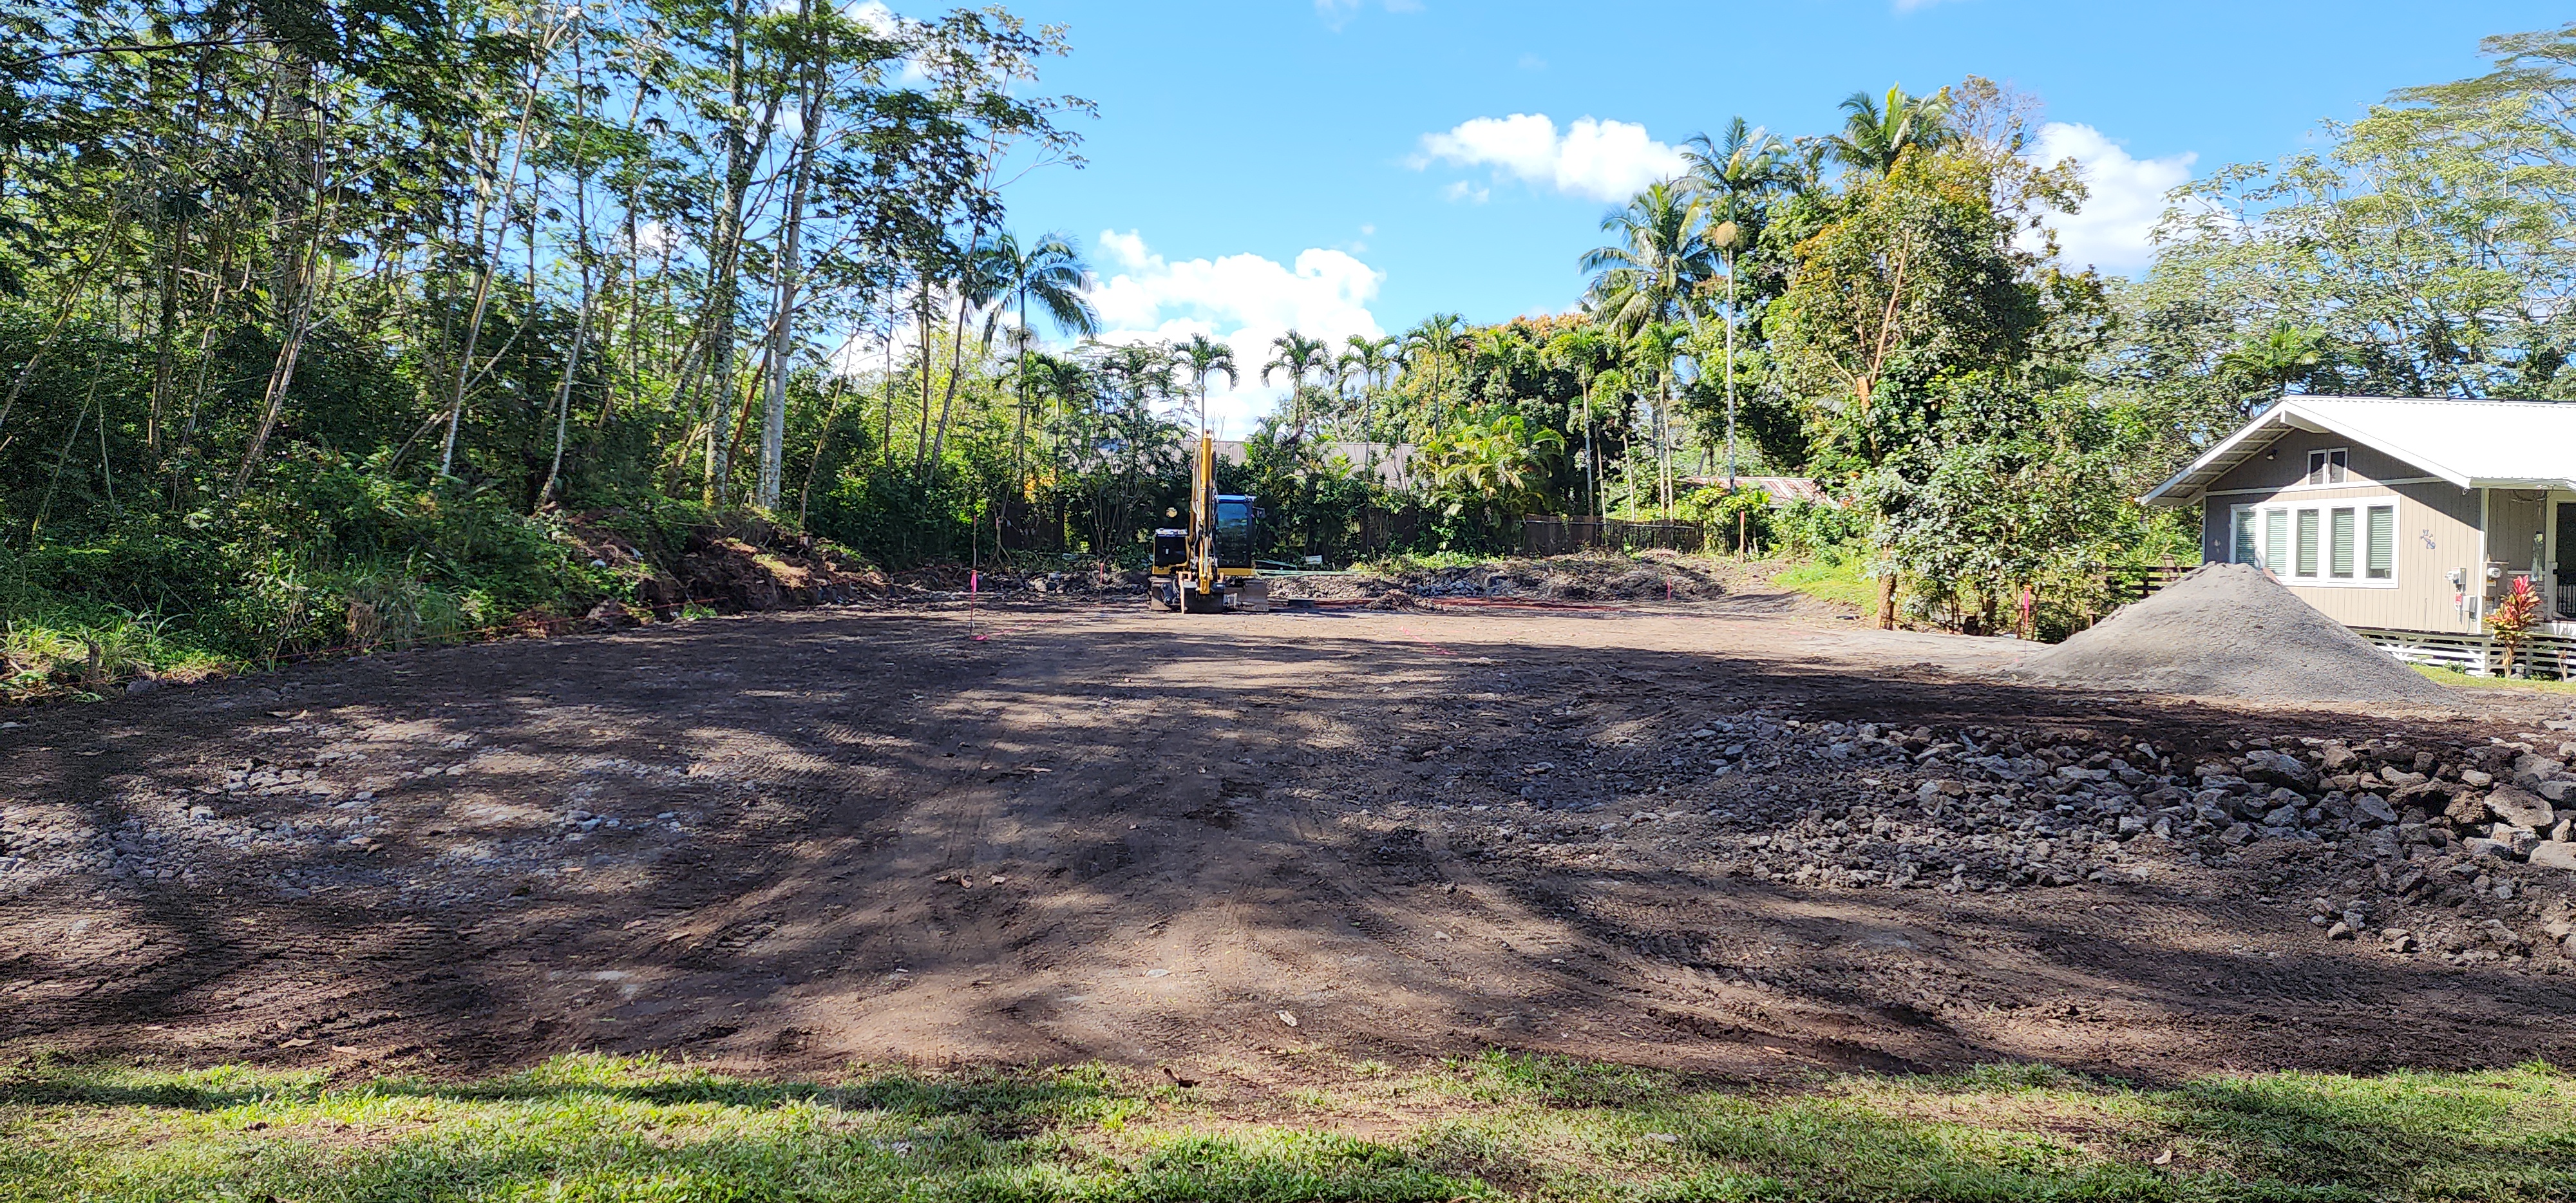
{"x": 2405, "y": 518}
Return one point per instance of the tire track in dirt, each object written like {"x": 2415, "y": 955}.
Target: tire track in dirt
{"x": 1280, "y": 812}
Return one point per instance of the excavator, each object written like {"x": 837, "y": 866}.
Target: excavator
{"x": 1207, "y": 566}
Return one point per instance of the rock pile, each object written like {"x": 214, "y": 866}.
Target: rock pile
{"x": 2228, "y": 630}
{"x": 2409, "y": 844}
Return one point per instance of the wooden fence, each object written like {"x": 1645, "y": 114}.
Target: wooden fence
{"x": 1561, "y": 536}
{"x": 2133, "y": 584}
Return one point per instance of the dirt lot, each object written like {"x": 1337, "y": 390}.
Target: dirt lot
{"x": 1639, "y": 832}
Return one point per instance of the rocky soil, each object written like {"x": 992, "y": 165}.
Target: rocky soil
{"x": 1044, "y": 831}
{"x": 2410, "y": 844}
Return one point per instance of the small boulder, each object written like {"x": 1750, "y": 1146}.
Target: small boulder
{"x": 2531, "y": 768}
{"x": 2520, "y": 807}
{"x": 2374, "y": 808}
{"x": 2554, "y": 856}
{"x": 2482, "y": 846}
{"x": 2280, "y": 769}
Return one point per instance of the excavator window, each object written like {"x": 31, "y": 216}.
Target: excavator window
{"x": 1234, "y": 532}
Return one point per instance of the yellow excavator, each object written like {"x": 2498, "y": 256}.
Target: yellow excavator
{"x": 1207, "y": 566}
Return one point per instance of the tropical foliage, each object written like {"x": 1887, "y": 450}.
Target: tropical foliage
{"x": 307, "y": 305}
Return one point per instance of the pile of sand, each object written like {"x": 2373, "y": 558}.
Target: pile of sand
{"x": 2227, "y": 630}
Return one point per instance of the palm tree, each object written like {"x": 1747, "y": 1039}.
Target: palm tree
{"x": 1661, "y": 255}
{"x": 1585, "y": 350}
{"x": 1643, "y": 286}
{"x": 1201, "y": 357}
{"x": 1501, "y": 464}
{"x": 2266, "y": 364}
{"x": 1876, "y": 133}
{"x": 1298, "y": 356}
{"x": 1426, "y": 344}
{"x": 1655, "y": 348}
{"x": 1735, "y": 178}
{"x": 1051, "y": 272}
{"x": 1372, "y": 357}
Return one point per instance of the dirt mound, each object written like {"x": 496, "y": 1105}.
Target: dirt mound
{"x": 750, "y": 568}
{"x": 2227, "y": 630}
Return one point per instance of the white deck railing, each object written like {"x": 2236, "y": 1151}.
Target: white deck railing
{"x": 2551, "y": 656}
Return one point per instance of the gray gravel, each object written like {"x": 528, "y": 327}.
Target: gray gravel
{"x": 2227, "y": 630}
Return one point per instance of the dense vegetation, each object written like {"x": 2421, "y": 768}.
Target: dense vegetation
{"x": 307, "y": 306}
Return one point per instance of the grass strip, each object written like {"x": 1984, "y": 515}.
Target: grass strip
{"x": 1498, "y": 1126}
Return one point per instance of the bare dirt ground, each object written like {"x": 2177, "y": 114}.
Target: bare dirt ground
{"x": 1092, "y": 830}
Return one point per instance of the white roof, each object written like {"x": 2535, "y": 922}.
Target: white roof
{"x": 2472, "y": 444}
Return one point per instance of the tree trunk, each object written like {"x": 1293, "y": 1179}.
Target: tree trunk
{"x": 773, "y": 427}
{"x": 1887, "y": 601}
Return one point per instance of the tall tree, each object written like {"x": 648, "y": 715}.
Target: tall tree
{"x": 1202, "y": 357}
{"x": 1299, "y": 357}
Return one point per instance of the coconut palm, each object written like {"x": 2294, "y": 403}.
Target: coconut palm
{"x": 1645, "y": 286}
{"x": 1877, "y": 133}
{"x": 1661, "y": 255}
{"x": 1299, "y": 356}
{"x": 1202, "y": 357}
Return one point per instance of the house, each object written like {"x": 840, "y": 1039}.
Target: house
{"x": 2405, "y": 518}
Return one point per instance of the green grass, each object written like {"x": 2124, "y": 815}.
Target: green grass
{"x": 1834, "y": 581}
{"x": 595, "y": 1128}
{"x": 2453, "y": 676}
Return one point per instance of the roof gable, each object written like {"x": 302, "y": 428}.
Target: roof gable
{"x": 2472, "y": 444}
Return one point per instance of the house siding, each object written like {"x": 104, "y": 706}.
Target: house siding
{"x": 2438, "y": 528}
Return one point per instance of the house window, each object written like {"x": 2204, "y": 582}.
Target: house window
{"x": 2242, "y": 520}
{"x": 2328, "y": 467}
{"x": 2331, "y": 544}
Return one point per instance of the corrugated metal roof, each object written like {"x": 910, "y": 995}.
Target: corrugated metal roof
{"x": 1784, "y": 490}
{"x": 2472, "y": 444}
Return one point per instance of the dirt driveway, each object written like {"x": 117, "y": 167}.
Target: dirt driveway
{"x": 1053, "y": 834}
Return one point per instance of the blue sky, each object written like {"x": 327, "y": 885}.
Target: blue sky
{"x": 1348, "y": 166}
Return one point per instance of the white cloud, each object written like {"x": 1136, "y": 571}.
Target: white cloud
{"x": 1601, "y": 160}
{"x": 1338, "y": 13}
{"x": 1243, "y": 301}
{"x": 2127, "y": 197}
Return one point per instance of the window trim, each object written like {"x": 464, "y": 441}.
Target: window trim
{"x": 2322, "y": 460}
{"x": 2324, "y": 507}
